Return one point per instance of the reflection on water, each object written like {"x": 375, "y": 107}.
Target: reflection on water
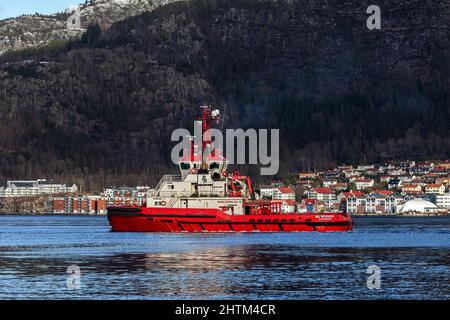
{"x": 413, "y": 254}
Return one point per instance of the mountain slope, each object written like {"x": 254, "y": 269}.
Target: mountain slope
{"x": 39, "y": 30}
{"x": 103, "y": 110}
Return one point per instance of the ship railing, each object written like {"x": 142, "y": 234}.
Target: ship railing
{"x": 167, "y": 178}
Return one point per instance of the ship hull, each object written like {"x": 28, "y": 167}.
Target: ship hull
{"x": 136, "y": 219}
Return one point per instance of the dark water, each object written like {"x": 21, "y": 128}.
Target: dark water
{"x": 413, "y": 255}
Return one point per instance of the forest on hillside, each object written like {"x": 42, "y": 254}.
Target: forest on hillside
{"x": 100, "y": 111}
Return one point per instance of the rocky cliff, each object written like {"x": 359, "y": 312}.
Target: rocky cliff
{"x": 102, "y": 110}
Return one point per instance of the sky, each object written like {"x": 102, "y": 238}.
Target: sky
{"x": 14, "y": 8}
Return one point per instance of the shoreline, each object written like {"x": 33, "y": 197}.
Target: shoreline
{"x": 17, "y": 214}
{"x": 398, "y": 215}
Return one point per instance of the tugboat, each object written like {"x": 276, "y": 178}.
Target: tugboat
{"x": 205, "y": 198}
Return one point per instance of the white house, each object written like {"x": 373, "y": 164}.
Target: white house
{"x": 284, "y": 193}
{"x": 364, "y": 183}
{"x": 435, "y": 188}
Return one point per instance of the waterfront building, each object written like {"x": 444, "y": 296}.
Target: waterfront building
{"x": 420, "y": 206}
{"x": 375, "y": 203}
{"x": 30, "y": 188}
{"x": 443, "y": 200}
{"x": 94, "y": 205}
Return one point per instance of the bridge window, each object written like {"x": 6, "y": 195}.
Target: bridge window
{"x": 214, "y": 165}
{"x": 185, "y": 166}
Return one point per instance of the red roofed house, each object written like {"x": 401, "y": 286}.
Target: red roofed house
{"x": 351, "y": 193}
{"x": 326, "y": 195}
{"x": 435, "y": 188}
{"x": 384, "y": 192}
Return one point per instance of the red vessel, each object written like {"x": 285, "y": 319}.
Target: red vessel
{"x": 205, "y": 198}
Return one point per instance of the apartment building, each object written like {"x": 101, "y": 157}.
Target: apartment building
{"x": 375, "y": 203}
{"x": 29, "y": 188}
{"x": 443, "y": 200}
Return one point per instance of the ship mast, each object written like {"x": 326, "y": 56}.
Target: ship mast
{"x": 208, "y": 118}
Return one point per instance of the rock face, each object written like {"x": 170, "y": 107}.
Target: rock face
{"x": 101, "y": 111}
{"x": 38, "y": 30}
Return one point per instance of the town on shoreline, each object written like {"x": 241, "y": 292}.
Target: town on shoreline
{"x": 402, "y": 188}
